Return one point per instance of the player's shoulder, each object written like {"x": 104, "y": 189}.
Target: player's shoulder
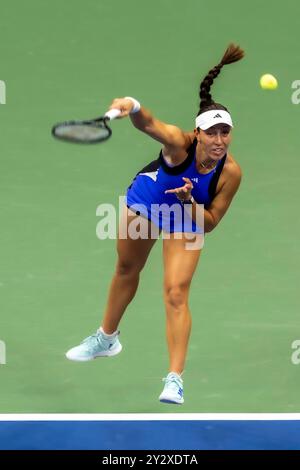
{"x": 181, "y": 142}
{"x": 232, "y": 169}
{"x": 179, "y": 138}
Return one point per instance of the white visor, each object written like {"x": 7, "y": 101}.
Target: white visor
{"x": 211, "y": 118}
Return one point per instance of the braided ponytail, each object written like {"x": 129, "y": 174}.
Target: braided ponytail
{"x": 232, "y": 54}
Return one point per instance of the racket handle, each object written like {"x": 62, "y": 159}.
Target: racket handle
{"x": 112, "y": 113}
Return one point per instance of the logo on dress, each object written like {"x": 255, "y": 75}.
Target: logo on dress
{"x": 151, "y": 174}
{"x": 195, "y": 180}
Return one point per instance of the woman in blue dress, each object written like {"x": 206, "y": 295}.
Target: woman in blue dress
{"x": 184, "y": 193}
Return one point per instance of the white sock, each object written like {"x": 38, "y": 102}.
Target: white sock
{"x": 176, "y": 373}
{"x": 112, "y": 335}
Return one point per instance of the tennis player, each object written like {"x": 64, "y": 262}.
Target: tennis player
{"x": 193, "y": 168}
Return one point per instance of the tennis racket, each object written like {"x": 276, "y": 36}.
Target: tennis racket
{"x": 86, "y": 132}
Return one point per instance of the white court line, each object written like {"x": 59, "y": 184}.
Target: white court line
{"x": 150, "y": 417}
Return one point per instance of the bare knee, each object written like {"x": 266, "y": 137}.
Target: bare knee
{"x": 128, "y": 268}
{"x": 177, "y": 295}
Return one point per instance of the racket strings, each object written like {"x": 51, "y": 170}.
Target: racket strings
{"x": 85, "y": 132}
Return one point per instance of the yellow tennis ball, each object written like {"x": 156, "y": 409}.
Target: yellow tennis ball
{"x": 268, "y": 82}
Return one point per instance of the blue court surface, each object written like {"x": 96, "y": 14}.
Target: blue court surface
{"x": 128, "y": 432}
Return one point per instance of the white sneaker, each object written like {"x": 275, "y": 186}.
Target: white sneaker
{"x": 97, "y": 345}
{"x": 173, "y": 389}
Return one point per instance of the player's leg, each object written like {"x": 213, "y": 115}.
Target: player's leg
{"x": 132, "y": 255}
{"x": 179, "y": 266}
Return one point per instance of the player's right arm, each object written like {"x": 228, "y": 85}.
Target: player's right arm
{"x": 172, "y": 137}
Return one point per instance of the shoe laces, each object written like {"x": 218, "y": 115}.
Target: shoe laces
{"x": 172, "y": 381}
{"x": 94, "y": 339}
{"x": 98, "y": 338}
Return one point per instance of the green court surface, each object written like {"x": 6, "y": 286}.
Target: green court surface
{"x": 64, "y": 60}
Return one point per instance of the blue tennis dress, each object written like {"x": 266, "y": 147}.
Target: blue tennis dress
{"x": 146, "y": 194}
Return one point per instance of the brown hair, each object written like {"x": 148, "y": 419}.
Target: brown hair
{"x": 232, "y": 54}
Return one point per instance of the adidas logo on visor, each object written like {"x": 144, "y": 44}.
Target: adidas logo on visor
{"x": 217, "y": 116}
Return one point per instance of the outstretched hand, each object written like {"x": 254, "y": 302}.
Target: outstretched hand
{"x": 184, "y": 192}
{"x": 124, "y": 105}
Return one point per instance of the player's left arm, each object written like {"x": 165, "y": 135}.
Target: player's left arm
{"x": 221, "y": 202}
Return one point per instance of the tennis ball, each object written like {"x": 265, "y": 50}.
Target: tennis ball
{"x": 268, "y": 82}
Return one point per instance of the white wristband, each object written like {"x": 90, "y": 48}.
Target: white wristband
{"x": 136, "y": 104}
